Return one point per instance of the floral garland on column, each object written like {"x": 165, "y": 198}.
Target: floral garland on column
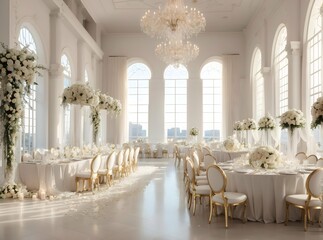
{"x": 17, "y": 73}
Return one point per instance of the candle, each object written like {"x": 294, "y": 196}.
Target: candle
{"x": 34, "y": 197}
{"x": 20, "y": 196}
{"x": 42, "y": 195}
{"x": 51, "y": 197}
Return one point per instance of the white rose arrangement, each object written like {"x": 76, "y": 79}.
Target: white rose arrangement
{"x": 265, "y": 157}
{"x": 292, "y": 119}
{"x": 110, "y": 104}
{"x": 194, "y": 131}
{"x": 317, "y": 112}
{"x": 18, "y": 68}
{"x": 12, "y": 190}
{"x": 231, "y": 144}
{"x": 79, "y": 93}
{"x": 266, "y": 122}
{"x": 238, "y": 126}
{"x": 249, "y": 124}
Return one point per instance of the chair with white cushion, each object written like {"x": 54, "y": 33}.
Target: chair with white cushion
{"x": 219, "y": 197}
{"x": 91, "y": 176}
{"x": 107, "y": 172}
{"x": 195, "y": 190}
{"x": 307, "y": 201}
{"x": 117, "y": 169}
{"x": 125, "y": 165}
{"x": 312, "y": 159}
{"x": 301, "y": 156}
{"x": 135, "y": 159}
{"x": 319, "y": 163}
{"x": 209, "y": 160}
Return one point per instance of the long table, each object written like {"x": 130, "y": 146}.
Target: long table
{"x": 54, "y": 177}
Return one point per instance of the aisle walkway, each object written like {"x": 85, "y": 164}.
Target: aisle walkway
{"x": 157, "y": 211}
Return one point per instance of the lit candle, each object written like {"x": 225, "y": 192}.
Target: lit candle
{"x": 34, "y": 197}
{"x": 51, "y": 197}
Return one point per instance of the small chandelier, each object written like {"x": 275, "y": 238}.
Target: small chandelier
{"x": 177, "y": 52}
{"x": 175, "y": 21}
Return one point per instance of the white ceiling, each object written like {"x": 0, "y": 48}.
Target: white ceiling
{"x": 123, "y": 16}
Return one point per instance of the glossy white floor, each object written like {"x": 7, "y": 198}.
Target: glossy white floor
{"x": 157, "y": 211}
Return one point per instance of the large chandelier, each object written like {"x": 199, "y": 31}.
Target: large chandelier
{"x": 175, "y": 21}
{"x": 173, "y": 24}
{"x": 177, "y": 52}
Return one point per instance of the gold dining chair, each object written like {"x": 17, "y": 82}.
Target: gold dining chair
{"x": 220, "y": 197}
{"x": 301, "y": 156}
{"x": 307, "y": 201}
{"x": 107, "y": 172}
{"x": 90, "y": 176}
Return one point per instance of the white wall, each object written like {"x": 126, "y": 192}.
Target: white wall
{"x": 210, "y": 44}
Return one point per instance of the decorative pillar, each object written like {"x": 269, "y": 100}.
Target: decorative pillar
{"x": 55, "y": 124}
{"x": 269, "y": 91}
{"x": 294, "y": 75}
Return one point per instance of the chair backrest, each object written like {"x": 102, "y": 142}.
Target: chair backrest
{"x": 206, "y": 151}
{"x": 209, "y": 160}
{"x": 196, "y": 161}
{"x": 313, "y": 183}
{"x": 301, "y": 155}
{"x": 111, "y": 160}
{"x": 131, "y": 154}
{"x": 137, "y": 150}
{"x": 319, "y": 163}
{"x": 312, "y": 159}
{"x": 95, "y": 164}
{"x": 216, "y": 178}
{"x": 190, "y": 170}
{"x": 120, "y": 157}
{"x": 126, "y": 156}
{"x": 200, "y": 154}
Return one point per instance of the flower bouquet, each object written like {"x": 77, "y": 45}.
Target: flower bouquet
{"x": 194, "y": 131}
{"x": 231, "y": 144}
{"x": 81, "y": 94}
{"x": 238, "y": 126}
{"x": 249, "y": 124}
{"x": 292, "y": 119}
{"x": 266, "y": 123}
{"x": 317, "y": 113}
{"x": 265, "y": 157}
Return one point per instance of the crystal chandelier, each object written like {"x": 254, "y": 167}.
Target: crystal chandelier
{"x": 174, "y": 22}
{"x": 177, "y": 52}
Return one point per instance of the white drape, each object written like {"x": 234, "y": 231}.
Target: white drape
{"x": 117, "y": 87}
{"x": 228, "y": 104}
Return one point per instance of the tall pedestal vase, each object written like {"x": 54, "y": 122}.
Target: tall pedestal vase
{"x": 292, "y": 143}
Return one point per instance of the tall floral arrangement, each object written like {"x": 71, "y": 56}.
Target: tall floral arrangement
{"x": 96, "y": 120}
{"x": 194, "y": 131}
{"x": 264, "y": 157}
{"x": 80, "y": 94}
{"x": 249, "y": 124}
{"x": 238, "y": 126}
{"x": 292, "y": 119}
{"x": 17, "y": 74}
{"x": 266, "y": 123}
{"x": 110, "y": 104}
{"x": 231, "y": 144}
{"x": 317, "y": 113}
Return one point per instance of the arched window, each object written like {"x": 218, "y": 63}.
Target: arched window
{"x": 28, "y": 136}
{"x": 314, "y": 53}
{"x": 281, "y": 70}
{"x": 138, "y": 100}
{"x": 211, "y": 75}
{"x": 67, "y": 72}
{"x": 258, "y": 85}
{"x": 176, "y": 102}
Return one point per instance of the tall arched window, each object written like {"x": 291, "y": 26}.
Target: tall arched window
{"x": 314, "y": 53}
{"x": 258, "y": 85}
{"x": 281, "y": 69}
{"x": 176, "y": 102}
{"x": 138, "y": 100}
{"x": 67, "y": 72}
{"x": 28, "y": 136}
{"x": 211, "y": 76}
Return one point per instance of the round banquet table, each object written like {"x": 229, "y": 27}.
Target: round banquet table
{"x": 54, "y": 177}
{"x": 223, "y": 156}
{"x": 266, "y": 193}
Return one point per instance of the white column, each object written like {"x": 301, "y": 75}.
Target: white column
{"x": 294, "y": 75}
{"x": 269, "y": 91}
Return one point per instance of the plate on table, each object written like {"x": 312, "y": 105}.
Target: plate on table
{"x": 310, "y": 168}
{"x": 226, "y": 167}
{"x": 287, "y": 172}
{"x": 243, "y": 170}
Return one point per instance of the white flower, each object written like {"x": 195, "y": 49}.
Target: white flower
{"x": 231, "y": 144}
{"x": 292, "y": 119}
{"x": 249, "y": 124}
{"x": 194, "y": 131}
{"x": 264, "y": 157}
{"x": 238, "y": 126}
{"x": 266, "y": 122}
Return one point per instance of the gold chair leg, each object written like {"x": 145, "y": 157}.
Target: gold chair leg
{"x": 226, "y": 215}
{"x": 211, "y": 211}
{"x": 194, "y": 204}
{"x": 286, "y": 214}
{"x": 305, "y": 220}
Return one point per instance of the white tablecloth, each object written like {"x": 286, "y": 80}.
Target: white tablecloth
{"x": 223, "y": 156}
{"x": 266, "y": 194}
{"x": 52, "y": 178}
